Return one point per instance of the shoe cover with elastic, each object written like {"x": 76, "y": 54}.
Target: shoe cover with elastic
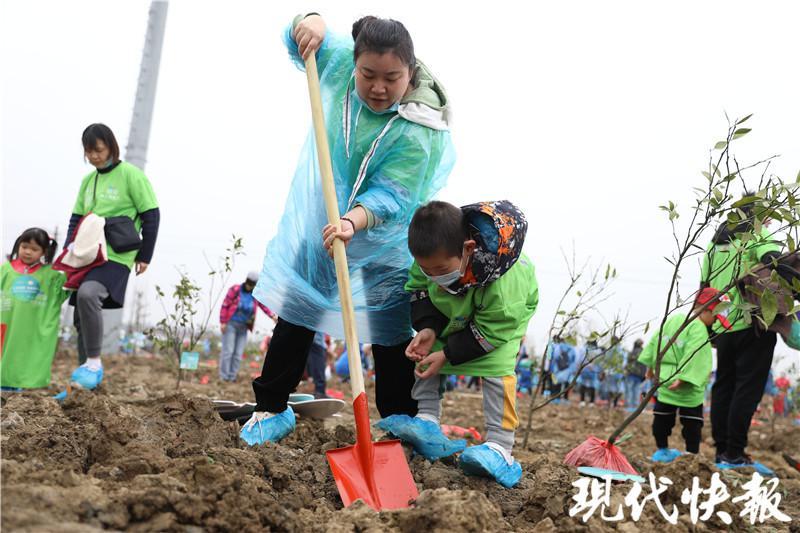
{"x": 425, "y": 436}
{"x": 724, "y": 462}
{"x": 483, "y": 461}
{"x": 665, "y": 455}
{"x": 265, "y": 427}
{"x": 85, "y": 378}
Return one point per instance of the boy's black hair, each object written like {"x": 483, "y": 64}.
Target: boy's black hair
{"x": 437, "y": 226}
{"x": 100, "y": 132}
{"x": 40, "y": 237}
{"x": 373, "y": 34}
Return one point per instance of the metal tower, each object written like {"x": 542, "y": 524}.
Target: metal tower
{"x": 139, "y": 135}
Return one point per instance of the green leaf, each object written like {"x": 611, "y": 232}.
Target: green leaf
{"x": 721, "y": 145}
{"x": 741, "y": 132}
{"x": 742, "y": 120}
{"x": 769, "y": 307}
{"x": 745, "y": 201}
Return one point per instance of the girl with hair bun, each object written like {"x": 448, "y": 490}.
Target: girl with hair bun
{"x": 388, "y": 121}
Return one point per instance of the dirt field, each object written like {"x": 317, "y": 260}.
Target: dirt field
{"x": 137, "y": 456}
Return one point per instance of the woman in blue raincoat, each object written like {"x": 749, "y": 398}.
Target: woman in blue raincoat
{"x": 387, "y": 119}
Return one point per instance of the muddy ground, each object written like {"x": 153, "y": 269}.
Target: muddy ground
{"x": 139, "y": 456}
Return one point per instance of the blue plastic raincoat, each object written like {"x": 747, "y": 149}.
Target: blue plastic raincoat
{"x": 589, "y": 376}
{"x": 390, "y": 162}
{"x": 562, "y": 362}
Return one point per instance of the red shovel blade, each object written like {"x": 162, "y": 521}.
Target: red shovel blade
{"x": 376, "y": 472}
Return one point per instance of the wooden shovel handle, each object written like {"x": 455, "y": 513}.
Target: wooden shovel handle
{"x": 332, "y": 209}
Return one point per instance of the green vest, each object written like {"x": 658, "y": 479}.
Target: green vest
{"x": 31, "y": 312}
{"x": 720, "y": 268}
{"x": 692, "y": 340}
{"x": 500, "y": 310}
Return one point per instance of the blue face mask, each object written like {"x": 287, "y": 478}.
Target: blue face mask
{"x": 446, "y": 280}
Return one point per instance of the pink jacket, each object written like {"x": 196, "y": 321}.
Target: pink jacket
{"x": 231, "y": 303}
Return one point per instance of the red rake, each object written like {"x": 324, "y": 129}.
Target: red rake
{"x": 600, "y": 454}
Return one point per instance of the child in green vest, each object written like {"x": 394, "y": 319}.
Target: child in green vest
{"x": 472, "y": 295}
{"x": 32, "y": 296}
{"x": 686, "y": 367}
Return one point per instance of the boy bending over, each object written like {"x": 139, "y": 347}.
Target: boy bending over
{"x": 472, "y": 295}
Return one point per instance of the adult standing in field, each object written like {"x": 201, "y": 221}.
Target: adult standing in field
{"x": 744, "y": 353}
{"x": 121, "y": 193}
{"x": 237, "y": 316}
{"x": 387, "y": 119}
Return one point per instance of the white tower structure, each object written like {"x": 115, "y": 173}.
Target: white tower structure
{"x": 139, "y": 135}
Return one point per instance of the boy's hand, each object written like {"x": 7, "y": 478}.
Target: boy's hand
{"x": 434, "y": 362}
{"x": 649, "y": 374}
{"x": 421, "y": 345}
{"x": 329, "y": 234}
{"x": 675, "y": 385}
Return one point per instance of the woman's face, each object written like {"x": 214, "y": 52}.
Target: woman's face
{"x": 30, "y": 252}
{"x": 98, "y": 156}
{"x": 381, "y": 79}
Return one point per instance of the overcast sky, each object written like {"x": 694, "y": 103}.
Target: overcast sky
{"x": 588, "y": 115}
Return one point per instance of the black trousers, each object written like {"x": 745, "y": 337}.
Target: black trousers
{"x": 587, "y": 391}
{"x": 287, "y": 357}
{"x": 316, "y": 367}
{"x": 743, "y": 362}
{"x": 691, "y": 420}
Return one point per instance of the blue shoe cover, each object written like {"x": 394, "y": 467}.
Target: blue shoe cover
{"x": 425, "y": 436}
{"x": 665, "y": 455}
{"x": 260, "y": 429}
{"x": 86, "y": 379}
{"x": 483, "y": 461}
{"x": 755, "y": 465}
{"x": 60, "y": 396}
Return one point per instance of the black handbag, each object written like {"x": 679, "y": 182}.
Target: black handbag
{"x": 121, "y": 233}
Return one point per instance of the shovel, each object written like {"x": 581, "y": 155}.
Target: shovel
{"x": 376, "y": 472}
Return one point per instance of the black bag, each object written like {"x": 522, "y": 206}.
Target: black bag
{"x": 121, "y": 233}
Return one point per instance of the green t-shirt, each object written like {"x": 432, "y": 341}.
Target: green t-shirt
{"x": 720, "y": 262}
{"x": 500, "y": 310}
{"x": 125, "y": 191}
{"x": 692, "y": 340}
{"x": 30, "y": 311}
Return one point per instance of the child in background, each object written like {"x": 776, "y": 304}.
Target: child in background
{"x": 589, "y": 378}
{"x": 32, "y": 296}
{"x": 686, "y": 366}
{"x": 472, "y": 296}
